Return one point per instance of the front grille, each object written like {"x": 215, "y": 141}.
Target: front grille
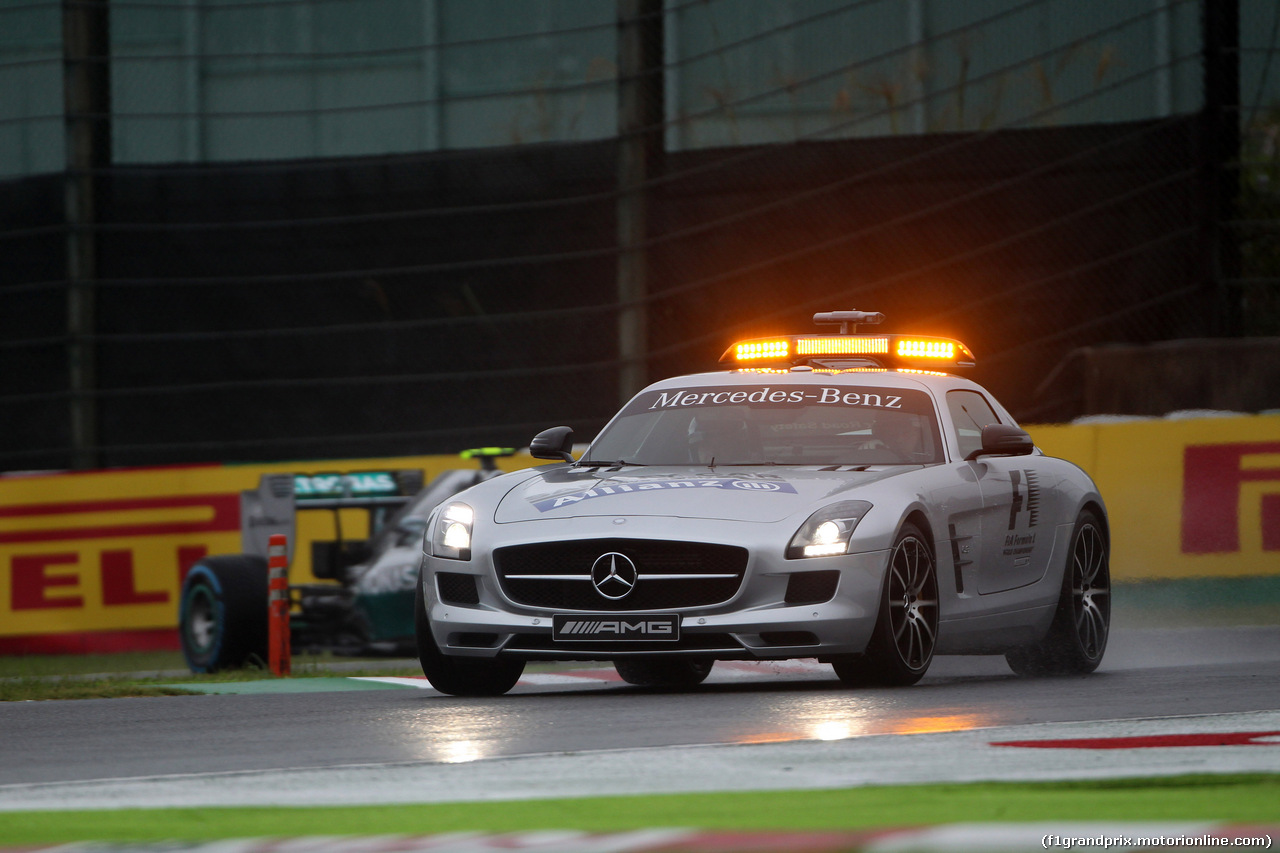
{"x": 557, "y": 575}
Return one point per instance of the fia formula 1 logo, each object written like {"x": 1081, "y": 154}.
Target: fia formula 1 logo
{"x": 1026, "y": 497}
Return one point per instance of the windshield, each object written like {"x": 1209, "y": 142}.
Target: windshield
{"x": 774, "y": 424}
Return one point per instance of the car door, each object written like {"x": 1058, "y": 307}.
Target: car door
{"x": 1016, "y": 543}
{"x": 1013, "y": 547}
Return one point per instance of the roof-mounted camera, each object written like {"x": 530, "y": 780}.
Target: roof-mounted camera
{"x": 848, "y": 321}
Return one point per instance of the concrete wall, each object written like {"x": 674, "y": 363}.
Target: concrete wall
{"x": 1234, "y": 375}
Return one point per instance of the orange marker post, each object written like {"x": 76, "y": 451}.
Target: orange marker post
{"x": 278, "y": 650}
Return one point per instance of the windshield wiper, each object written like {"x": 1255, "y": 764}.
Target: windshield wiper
{"x": 606, "y": 463}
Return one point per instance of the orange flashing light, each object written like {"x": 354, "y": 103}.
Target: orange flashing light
{"x": 846, "y": 345}
{"x": 908, "y": 348}
{"x": 750, "y": 350}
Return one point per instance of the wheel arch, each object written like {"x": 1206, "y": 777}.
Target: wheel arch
{"x": 916, "y": 516}
{"x": 920, "y": 519}
{"x": 1095, "y": 506}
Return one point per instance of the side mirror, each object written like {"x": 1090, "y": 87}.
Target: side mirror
{"x": 1003, "y": 440}
{"x": 554, "y": 443}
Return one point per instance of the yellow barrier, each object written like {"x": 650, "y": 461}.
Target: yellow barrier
{"x": 1186, "y": 498}
{"x": 94, "y": 561}
{"x": 101, "y": 554}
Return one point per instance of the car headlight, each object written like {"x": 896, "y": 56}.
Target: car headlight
{"x": 828, "y": 531}
{"x": 452, "y": 535}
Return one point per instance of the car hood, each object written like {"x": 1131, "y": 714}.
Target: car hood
{"x": 752, "y": 494}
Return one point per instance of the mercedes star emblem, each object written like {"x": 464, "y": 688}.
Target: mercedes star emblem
{"x": 614, "y": 575}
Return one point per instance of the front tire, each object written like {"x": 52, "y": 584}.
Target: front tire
{"x": 222, "y": 615}
{"x": 459, "y": 676}
{"x": 906, "y": 632}
{"x": 1077, "y": 637}
{"x": 659, "y": 672}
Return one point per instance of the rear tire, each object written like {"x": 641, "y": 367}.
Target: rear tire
{"x": 906, "y": 632}
{"x": 222, "y": 615}
{"x": 1077, "y": 637}
{"x": 459, "y": 676}
{"x": 660, "y": 672}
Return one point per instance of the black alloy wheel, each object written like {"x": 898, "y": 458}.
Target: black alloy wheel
{"x": 906, "y": 632}
{"x": 1077, "y": 638}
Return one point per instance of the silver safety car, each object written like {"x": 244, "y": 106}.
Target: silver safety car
{"x": 843, "y": 497}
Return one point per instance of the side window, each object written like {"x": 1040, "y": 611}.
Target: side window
{"x": 970, "y": 412}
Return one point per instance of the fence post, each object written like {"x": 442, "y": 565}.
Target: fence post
{"x": 640, "y": 147}
{"x": 278, "y": 650}
{"x": 86, "y": 98}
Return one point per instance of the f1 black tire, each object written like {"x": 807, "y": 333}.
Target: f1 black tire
{"x": 459, "y": 676}
{"x": 1077, "y": 638}
{"x": 906, "y": 632}
{"x": 663, "y": 672}
{"x": 222, "y": 615}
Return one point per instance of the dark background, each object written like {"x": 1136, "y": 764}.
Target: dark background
{"x": 482, "y": 307}
{"x": 427, "y": 303}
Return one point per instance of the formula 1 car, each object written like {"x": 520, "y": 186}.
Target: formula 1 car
{"x": 364, "y": 602}
{"x": 840, "y": 497}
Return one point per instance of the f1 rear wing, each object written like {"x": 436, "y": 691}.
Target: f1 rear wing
{"x": 273, "y": 506}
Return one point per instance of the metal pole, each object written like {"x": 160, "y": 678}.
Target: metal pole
{"x": 640, "y": 136}
{"x": 432, "y": 75}
{"x": 1163, "y": 37}
{"x": 192, "y": 44}
{"x": 1221, "y": 122}
{"x": 916, "y": 79}
{"x": 86, "y": 49}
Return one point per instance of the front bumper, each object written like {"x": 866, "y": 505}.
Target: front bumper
{"x": 756, "y": 623}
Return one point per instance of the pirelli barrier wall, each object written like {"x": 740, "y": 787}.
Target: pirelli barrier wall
{"x": 94, "y": 561}
{"x": 1187, "y": 498}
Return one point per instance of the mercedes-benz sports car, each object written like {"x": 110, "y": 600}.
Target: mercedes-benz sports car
{"x": 840, "y": 497}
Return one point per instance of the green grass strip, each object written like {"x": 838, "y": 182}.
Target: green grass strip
{"x": 286, "y": 685}
{"x": 1253, "y": 798}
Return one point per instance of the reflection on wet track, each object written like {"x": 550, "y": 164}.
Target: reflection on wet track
{"x": 1148, "y": 674}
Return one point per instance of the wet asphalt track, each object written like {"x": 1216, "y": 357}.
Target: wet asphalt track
{"x": 1147, "y": 674}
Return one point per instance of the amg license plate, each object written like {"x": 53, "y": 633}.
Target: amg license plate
{"x": 610, "y": 627}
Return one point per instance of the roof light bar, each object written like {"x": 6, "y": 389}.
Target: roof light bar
{"x": 845, "y": 351}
